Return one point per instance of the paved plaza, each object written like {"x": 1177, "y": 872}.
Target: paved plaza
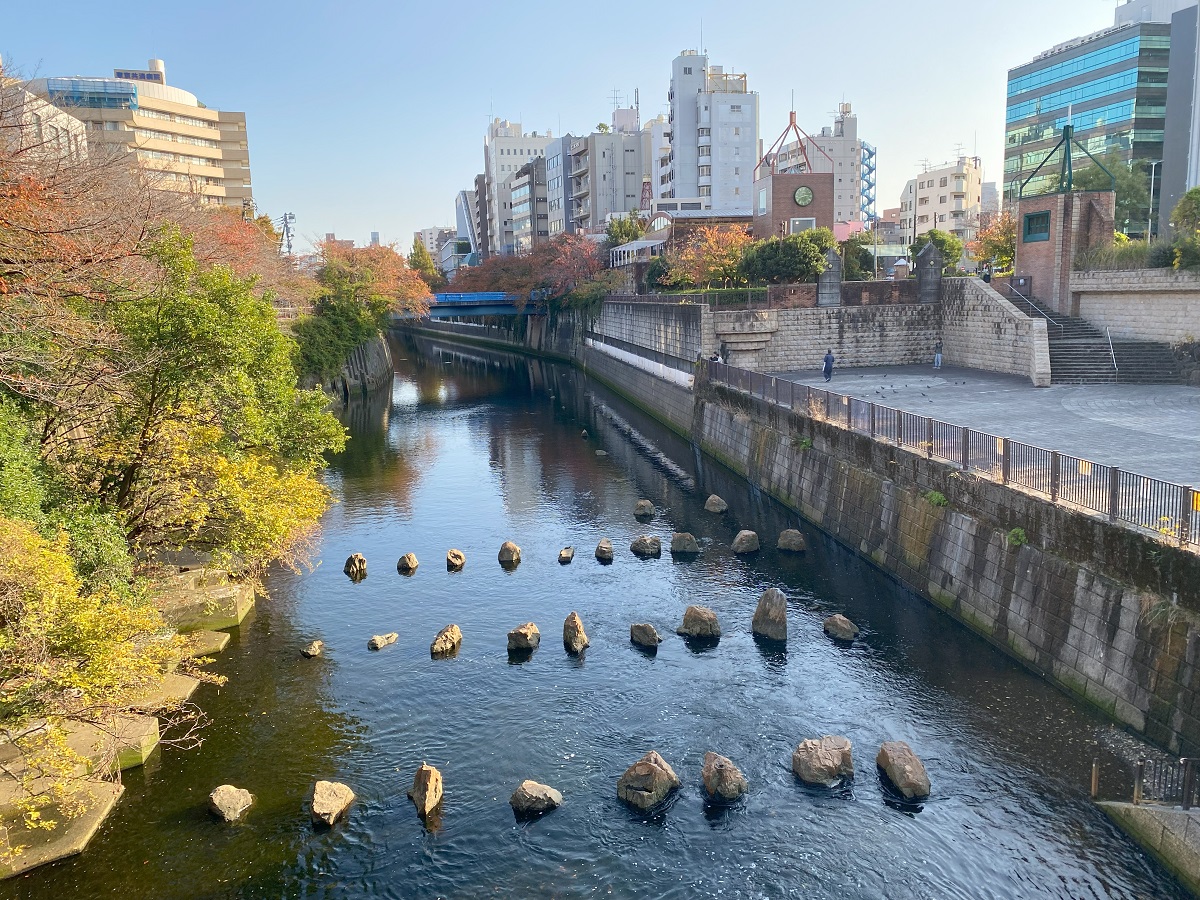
{"x": 1148, "y": 429}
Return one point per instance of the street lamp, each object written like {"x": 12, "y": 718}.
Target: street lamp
{"x": 1150, "y": 215}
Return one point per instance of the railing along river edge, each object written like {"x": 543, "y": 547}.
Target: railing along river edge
{"x": 1167, "y": 510}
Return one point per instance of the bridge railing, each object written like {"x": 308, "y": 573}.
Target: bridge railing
{"x": 1167, "y": 510}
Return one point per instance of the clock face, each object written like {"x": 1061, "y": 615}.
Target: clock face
{"x": 803, "y": 196}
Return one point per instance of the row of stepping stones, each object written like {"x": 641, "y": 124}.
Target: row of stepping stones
{"x": 699, "y": 623}
{"x": 825, "y": 761}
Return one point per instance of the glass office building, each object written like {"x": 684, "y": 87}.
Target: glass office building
{"x": 1112, "y": 85}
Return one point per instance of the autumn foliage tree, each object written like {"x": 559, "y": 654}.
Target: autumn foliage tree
{"x": 711, "y": 257}
{"x": 996, "y": 242}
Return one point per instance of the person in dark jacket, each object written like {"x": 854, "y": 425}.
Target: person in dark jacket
{"x": 827, "y": 366}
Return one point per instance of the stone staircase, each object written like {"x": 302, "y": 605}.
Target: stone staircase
{"x": 1080, "y": 353}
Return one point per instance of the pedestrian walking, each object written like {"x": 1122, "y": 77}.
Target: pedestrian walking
{"x": 937, "y": 355}
{"x": 827, "y": 365}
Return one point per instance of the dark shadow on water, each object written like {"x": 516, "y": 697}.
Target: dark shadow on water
{"x": 843, "y": 790}
{"x": 774, "y": 653}
{"x": 656, "y": 815}
{"x": 648, "y": 652}
{"x": 518, "y": 657}
{"x": 699, "y": 645}
{"x": 445, "y": 654}
{"x": 896, "y": 800}
{"x": 576, "y": 660}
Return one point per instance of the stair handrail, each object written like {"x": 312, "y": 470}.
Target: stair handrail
{"x": 1111, "y": 351}
{"x": 1041, "y": 312}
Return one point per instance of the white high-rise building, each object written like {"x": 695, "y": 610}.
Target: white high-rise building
{"x": 948, "y": 198}
{"x": 838, "y": 150}
{"x": 434, "y": 237}
{"x": 713, "y": 135}
{"x": 505, "y": 151}
{"x": 605, "y": 171}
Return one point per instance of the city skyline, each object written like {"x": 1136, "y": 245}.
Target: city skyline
{"x": 412, "y": 141}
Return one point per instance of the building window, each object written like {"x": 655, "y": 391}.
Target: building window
{"x": 762, "y": 201}
{"x": 706, "y": 190}
{"x": 705, "y": 170}
{"x": 1037, "y": 227}
{"x": 942, "y": 199}
{"x": 942, "y": 183}
{"x": 735, "y": 108}
{"x": 687, "y": 70}
{"x": 795, "y": 226}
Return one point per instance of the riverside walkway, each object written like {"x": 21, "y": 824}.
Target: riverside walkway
{"x": 1148, "y": 429}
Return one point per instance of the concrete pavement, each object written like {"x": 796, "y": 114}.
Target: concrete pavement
{"x": 1148, "y": 429}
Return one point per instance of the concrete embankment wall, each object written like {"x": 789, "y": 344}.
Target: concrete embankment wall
{"x": 982, "y": 330}
{"x": 367, "y": 368}
{"x": 679, "y": 330}
{"x": 1143, "y": 305}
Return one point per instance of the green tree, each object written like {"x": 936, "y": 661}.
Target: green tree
{"x": 950, "y": 246}
{"x": 1185, "y": 217}
{"x": 422, "y": 263}
{"x": 789, "y": 260}
{"x": 1131, "y": 182}
{"x": 623, "y": 229}
{"x": 858, "y": 262}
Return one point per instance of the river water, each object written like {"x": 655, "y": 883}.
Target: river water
{"x": 474, "y": 448}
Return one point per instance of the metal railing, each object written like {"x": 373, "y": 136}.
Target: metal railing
{"x": 1167, "y": 510}
{"x": 1111, "y": 351}
{"x": 1034, "y": 307}
{"x": 1166, "y": 781}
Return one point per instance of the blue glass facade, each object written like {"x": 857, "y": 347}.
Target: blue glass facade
{"x": 92, "y": 93}
{"x": 1113, "y": 87}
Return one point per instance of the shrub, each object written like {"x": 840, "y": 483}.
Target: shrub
{"x": 1017, "y": 538}
{"x": 936, "y": 498}
{"x": 802, "y": 443}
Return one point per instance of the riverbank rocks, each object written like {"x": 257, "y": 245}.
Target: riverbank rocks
{"x": 745, "y": 542}
{"x": 770, "y": 618}
{"x": 356, "y": 567}
{"x": 791, "y": 541}
{"x": 646, "y": 547}
{"x": 312, "y": 650}
{"x": 229, "y": 803}
{"x": 604, "y": 550}
{"x": 447, "y": 642}
{"x": 824, "y": 761}
{"x": 684, "y": 543}
{"x": 643, "y": 509}
{"x": 426, "y": 790}
{"x": 330, "y": 801}
{"x": 699, "y": 622}
{"x": 533, "y": 799}
{"x": 643, "y": 635}
{"x": 407, "y": 564}
{"x": 838, "y": 626}
{"x": 575, "y": 639}
{"x": 379, "y": 641}
{"x": 509, "y": 555}
{"x": 647, "y": 782}
{"x": 722, "y": 779}
{"x": 565, "y": 555}
{"x": 524, "y": 638}
{"x": 905, "y": 771}
{"x": 715, "y": 504}
{"x": 455, "y": 560}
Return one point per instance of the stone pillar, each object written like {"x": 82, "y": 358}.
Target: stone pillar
{"x": 829, "y": 282}
{"x": 929, "y": 274}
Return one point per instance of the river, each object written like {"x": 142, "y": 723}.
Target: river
{"x": 473, "y": 448}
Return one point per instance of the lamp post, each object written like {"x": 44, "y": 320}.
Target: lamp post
{"x": 1150, "y": 214}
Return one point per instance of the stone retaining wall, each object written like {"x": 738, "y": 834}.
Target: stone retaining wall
{"x": 1145, "y": 305}
{"x": 674, "y": 329}
{"x": 982, "y": 330}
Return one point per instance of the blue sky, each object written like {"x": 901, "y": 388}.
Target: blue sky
{"x": 370, "y": 116}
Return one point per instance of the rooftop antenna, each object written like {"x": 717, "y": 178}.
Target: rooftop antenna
{"x": 616, "y": 98}
{"x": 637, "y": 109}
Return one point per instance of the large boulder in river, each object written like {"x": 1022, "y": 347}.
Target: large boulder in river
{"x": 509, "y": 555}
{"x": 575, "y": 639}
{"x": 647, "y": 782}
{"x": 791, "y": 541}
{"x": 699, "y": 622}
{"x": 524, "y": 638}
{"x": 565, "y": 555}
{"x": 447, "y": 642}
{"x": 745, "y": 542}
{"x": 379, "y": 641}
{"x": 330, "y": 801}
{"x": 715, "y": 504}
{"x": 905, "y": 771}
{"x": 838, "y": 626}
{"x": 643, "y": 635}
{"x": 312, "y": 650}
{"x": 825, "y": 761}
{"x": 356, "y": 567}
{"x": 770, "y": 618}
{"x": 533, "y": 799}
{"x": 646, "y": 547}
{"x": 426, "y": 790}
{"x": 684, "y": 543}
{"x": 229, "y": 803}
{"x": 407, "y": 564}
{"x": 722, "y": 779}
{"x": 643, "y": 509}
{"x": 455, "y": 560}
{"x": 604, "y": 550}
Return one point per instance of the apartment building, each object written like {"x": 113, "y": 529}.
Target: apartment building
{"x": 195, "y": 148}
{"x": 713, "y": 135}
{"x": 32, "y": 127}
{"x": 505, "y": 151}
{"x": 947, "y": 197}
{"x": 433, "y": 238}
{"x": 839, "y": 151}
{"x": 558, "y": 186}
{"x": 531, "y": 226}
{"x": 605, "y": 173}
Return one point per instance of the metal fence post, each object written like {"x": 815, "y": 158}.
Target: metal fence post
{"x": 828, "y": 407}
{"x": 928, "y": 437}
{"x": 1055, "y": 469}
{"x": 872, "y": 421}
{"x": 1004, "y": 458}
{"x": 1189, "y": 782}
{"x": 1138, "y": 777}
{"x": 1114, "y": 492}
{"x": 1095, "y": 777}
{"x": 899, "y": 428}
{"x": 1187, "y": 502}
{"x": 966, "y": 448}
{"x": 849, "y": 413}
{"x": 776, "y": 380}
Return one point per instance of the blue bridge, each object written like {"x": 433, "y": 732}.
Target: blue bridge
{"x": 482, "y": 303}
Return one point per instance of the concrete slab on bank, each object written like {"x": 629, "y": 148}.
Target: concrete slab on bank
{"x": 70, "y": 835}
{"x": 1169, "y": 834}
{"x": 1148, "y": 429}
